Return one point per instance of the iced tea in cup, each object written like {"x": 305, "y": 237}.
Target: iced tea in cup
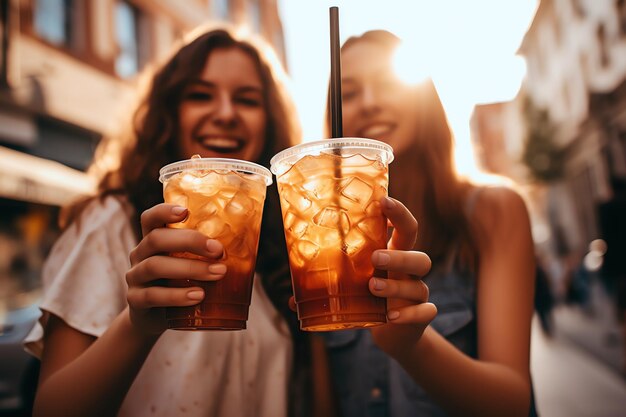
{"x": 330, "y": 194}
{"x": 224, "y": 198}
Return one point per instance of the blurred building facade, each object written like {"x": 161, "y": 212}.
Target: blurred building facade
{"x": 497, "y": 130}
{"x": 68, "y": 66}
{"x": 576, "y": 56}
{"x": 68, "y": 73}
{"x": 565, "y": 135}
{"x": 563, "y": 139}
{"x": 566, "y": 130}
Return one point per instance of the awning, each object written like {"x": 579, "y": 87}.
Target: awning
{"x": 29, "y": 178}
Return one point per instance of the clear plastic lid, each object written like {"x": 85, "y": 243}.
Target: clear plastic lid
{"x": 348, "y": 146}
{"x": 216, "y": 164}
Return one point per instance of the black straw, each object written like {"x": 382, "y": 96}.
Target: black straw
{"x": 335, "y": 75}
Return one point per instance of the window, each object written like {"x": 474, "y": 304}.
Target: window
{"x": 4, "y": 42}
{"x": 52, "y": 21}
{"x": 127, "y": 62}
{"x": 579, "y": 9}
{"x": 605, "y": 60}
{"x": 63, "y": 24}
{"x": 278, "y": 43}
{"x": 616, "y": 155}
{"x": 254, "y": 11}
{"x": 621, "y": 12}
{"x": 557, "y": 26}
{"x": 132, "y": 36}
{"x": 220, "y": 9}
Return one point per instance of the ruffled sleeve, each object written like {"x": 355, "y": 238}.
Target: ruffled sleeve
{"x": 84, "y": 276}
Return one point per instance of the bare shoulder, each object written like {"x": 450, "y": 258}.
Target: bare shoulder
{"x": 499, "y": 211}
{"x": 498, "y": 199}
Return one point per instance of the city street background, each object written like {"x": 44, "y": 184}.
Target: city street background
{"x": 535, "y": 92}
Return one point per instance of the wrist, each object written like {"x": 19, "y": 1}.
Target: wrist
{"x": 141, "y": 337}
{"x": 415, "y": 352}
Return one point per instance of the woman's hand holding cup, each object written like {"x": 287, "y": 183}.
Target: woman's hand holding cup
{"x": 408, "y": 309}
{"x": 151, "y": 265}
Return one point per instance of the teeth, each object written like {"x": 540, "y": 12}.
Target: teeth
{"x": 221, "y": 142}
{"x": 375, "y": 130}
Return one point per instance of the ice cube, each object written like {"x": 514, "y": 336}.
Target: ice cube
{"x": 323, "y": 187}
{"x": 373, "y": 209}
{"x": 307, "y": 250}
{"x": 327, "y": 238}
{"x": 310, "y": 165}
{"x": 240, "y": 206}
{"x": 174, "y": 195}
{"x": 239, "y": 247}
{"x": 373, "y": 227}
{"x": 188, "y": 179}
{"x": 358, "y": 191}
{"x": 206, "y": 183}
{"x": 226, "y": 194}
{"x": 237, "y": 180}
{"x": 301, "y": 252}
{"x": 210, "y": 187}
{"x": 362, "y": 263}
{"x": 333, "y": 218}
{"x": 214, "y": 228}
{"x": 295, "y": 225}
{"x": 294, "y": 259}
{"x": 295, "y": 198}
{"x": 353, "y": 242}
{"x": 292, "y": 176}
{"x": 210, "y": 209}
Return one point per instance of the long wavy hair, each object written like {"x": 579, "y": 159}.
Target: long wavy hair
{"x": 128, "y": 165}
{"x": 424, "y": 176}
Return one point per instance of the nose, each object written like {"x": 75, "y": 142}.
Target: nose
{"x": 225, "y": 114}
{"x": 370, "y": 103}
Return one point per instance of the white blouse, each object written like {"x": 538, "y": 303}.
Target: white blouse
{"x": 202, "y": 373}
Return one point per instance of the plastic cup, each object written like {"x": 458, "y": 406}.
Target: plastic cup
{"x": 330, "y": 193}
{"x": 224, "y": 198}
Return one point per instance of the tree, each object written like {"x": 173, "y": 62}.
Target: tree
{"x": 543, "y": 157}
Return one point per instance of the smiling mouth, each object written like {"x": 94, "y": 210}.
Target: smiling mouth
{"x": 222, "y": 144}
{"x": 376, "y": 130}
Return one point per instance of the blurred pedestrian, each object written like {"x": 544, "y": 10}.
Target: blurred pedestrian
{"x": 612, "y": 215}
{"x": 544, "y": 299}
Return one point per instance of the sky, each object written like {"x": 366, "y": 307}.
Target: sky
{"x": 467, "y": 47}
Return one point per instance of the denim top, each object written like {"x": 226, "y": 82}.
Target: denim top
{"x": 369, "y": 383}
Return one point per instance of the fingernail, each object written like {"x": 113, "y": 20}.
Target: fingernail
{"x": 393, "y": 314}
{"x": 213, "y": 246}
{"x": 381, "y": 259}
{"x": 389, "y": 203}
{"x": 178, "y": 210}
{"x": 379, "y": 284}
{"x": 195, "y": 295}
{"x": 217, "y": 269}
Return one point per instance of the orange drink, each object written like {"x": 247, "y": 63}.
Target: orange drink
{"x": 330, "y": 194}
{"x": 224, "y": 198}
